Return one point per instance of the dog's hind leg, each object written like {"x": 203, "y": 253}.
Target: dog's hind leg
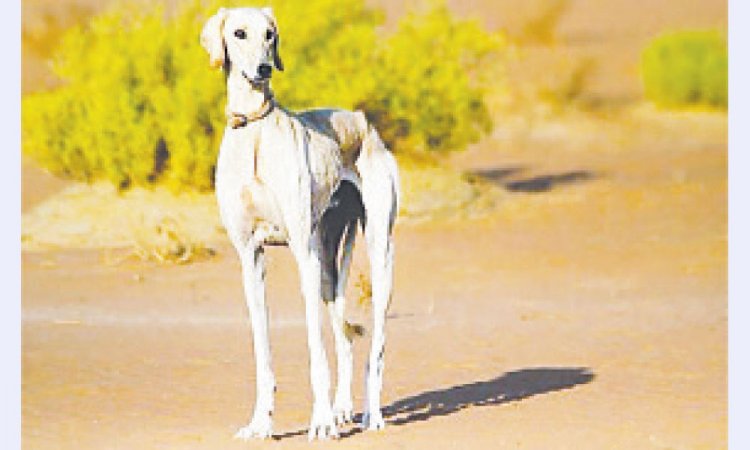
{"x": 253, "y": 274}
{"x": 380, "y": 251}
{"x": 340, "y": 220}
{"x": 377, "y": 168}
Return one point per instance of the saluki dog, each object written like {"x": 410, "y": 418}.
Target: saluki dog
{"x": 306, "y": 180}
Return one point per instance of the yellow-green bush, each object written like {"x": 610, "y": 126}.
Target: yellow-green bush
{"x": 686, "y": 68}
{"x": 140, "y": 104}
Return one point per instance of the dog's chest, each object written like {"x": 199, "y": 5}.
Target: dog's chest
{"x": 270, "y": 174}
{"x": 245, "y": 185}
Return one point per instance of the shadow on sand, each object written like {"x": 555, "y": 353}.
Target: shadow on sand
{"x": 505, "y": 178}
{"x": 508, "y": 387}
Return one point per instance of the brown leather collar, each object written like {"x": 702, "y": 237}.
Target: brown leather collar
{"x": 239, "y": 120}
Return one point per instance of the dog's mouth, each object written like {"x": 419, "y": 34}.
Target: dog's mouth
{"x": 256, "y": 82}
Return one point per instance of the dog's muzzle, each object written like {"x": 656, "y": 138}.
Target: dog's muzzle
{"x": 256, "y": 82}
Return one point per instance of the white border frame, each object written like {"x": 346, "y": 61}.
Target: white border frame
{"x": 10, "y": 307}
{"x": 739, "y": 223}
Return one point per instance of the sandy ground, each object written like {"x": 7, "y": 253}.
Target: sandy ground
{"x": 588, "y": 311}
{"x": 589, "y": 315}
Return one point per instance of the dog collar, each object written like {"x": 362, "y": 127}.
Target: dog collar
{"x": 239, "y": 120}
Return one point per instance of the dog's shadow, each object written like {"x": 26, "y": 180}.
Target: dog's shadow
{"x": 508, "y": 387}
{"x": 511, "y": 386}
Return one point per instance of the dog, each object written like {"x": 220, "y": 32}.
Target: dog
{"x": 306, "y": 180}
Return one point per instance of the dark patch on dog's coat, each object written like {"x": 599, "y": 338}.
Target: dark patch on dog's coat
{"x": 344, "y": 210}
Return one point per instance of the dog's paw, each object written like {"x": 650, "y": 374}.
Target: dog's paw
{"x": 261, "y": 427}
{"x": 322, "y": 425}
{"x": 342, "y": 411}
{"x": 373, "y": 421}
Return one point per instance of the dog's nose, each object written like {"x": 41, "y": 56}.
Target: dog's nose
{"x": 264, "y": 71}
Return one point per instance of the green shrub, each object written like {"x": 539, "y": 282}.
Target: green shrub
{"x": 686, "y": 68}
{"x": 140, "y": 105}
{"x": 425, "y": 97}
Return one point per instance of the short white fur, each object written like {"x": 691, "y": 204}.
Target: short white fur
{"x": 275, "y": 177}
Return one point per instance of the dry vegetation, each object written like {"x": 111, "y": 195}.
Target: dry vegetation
{"x": 156, "y": 224}
{"x": 541, "y": 28}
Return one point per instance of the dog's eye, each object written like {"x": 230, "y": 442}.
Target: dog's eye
{"x": 240, "y": 34}
{"x": 269, "y": 34}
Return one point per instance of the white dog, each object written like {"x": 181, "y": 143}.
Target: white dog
{"x": 307, "y": 180}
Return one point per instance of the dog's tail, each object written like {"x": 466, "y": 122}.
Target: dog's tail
{"x": 377, "y": 161}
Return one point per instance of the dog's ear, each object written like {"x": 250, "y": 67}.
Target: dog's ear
{"x": 212, "y": 39}
{"x": 276, "y": 58}
{"x": 268, "y": 11}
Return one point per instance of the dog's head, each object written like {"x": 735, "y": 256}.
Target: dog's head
{"x": 243, "y": 39}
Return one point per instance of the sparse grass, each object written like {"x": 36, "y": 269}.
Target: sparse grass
{"x": 167, "y": 242}
{"x": 353, "y": 330}
{"x": 571, "y": 84}
{"x": 430, "y": 190}
{"x": 153, "y": 224}
{"x": 43, "y": 35}
{"x": 542, "y": 27}
{"x": 363, "y": 284}
{"x": 158, "y": 225}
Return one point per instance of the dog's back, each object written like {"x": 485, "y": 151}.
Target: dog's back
{"x": 347, "y": 128}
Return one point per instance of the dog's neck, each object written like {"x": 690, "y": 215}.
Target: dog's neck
{"x": 246, "y": 101}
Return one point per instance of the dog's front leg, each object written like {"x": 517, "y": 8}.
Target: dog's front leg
{"x": 322, "y": 425}
{"x": 253, "y": 275}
